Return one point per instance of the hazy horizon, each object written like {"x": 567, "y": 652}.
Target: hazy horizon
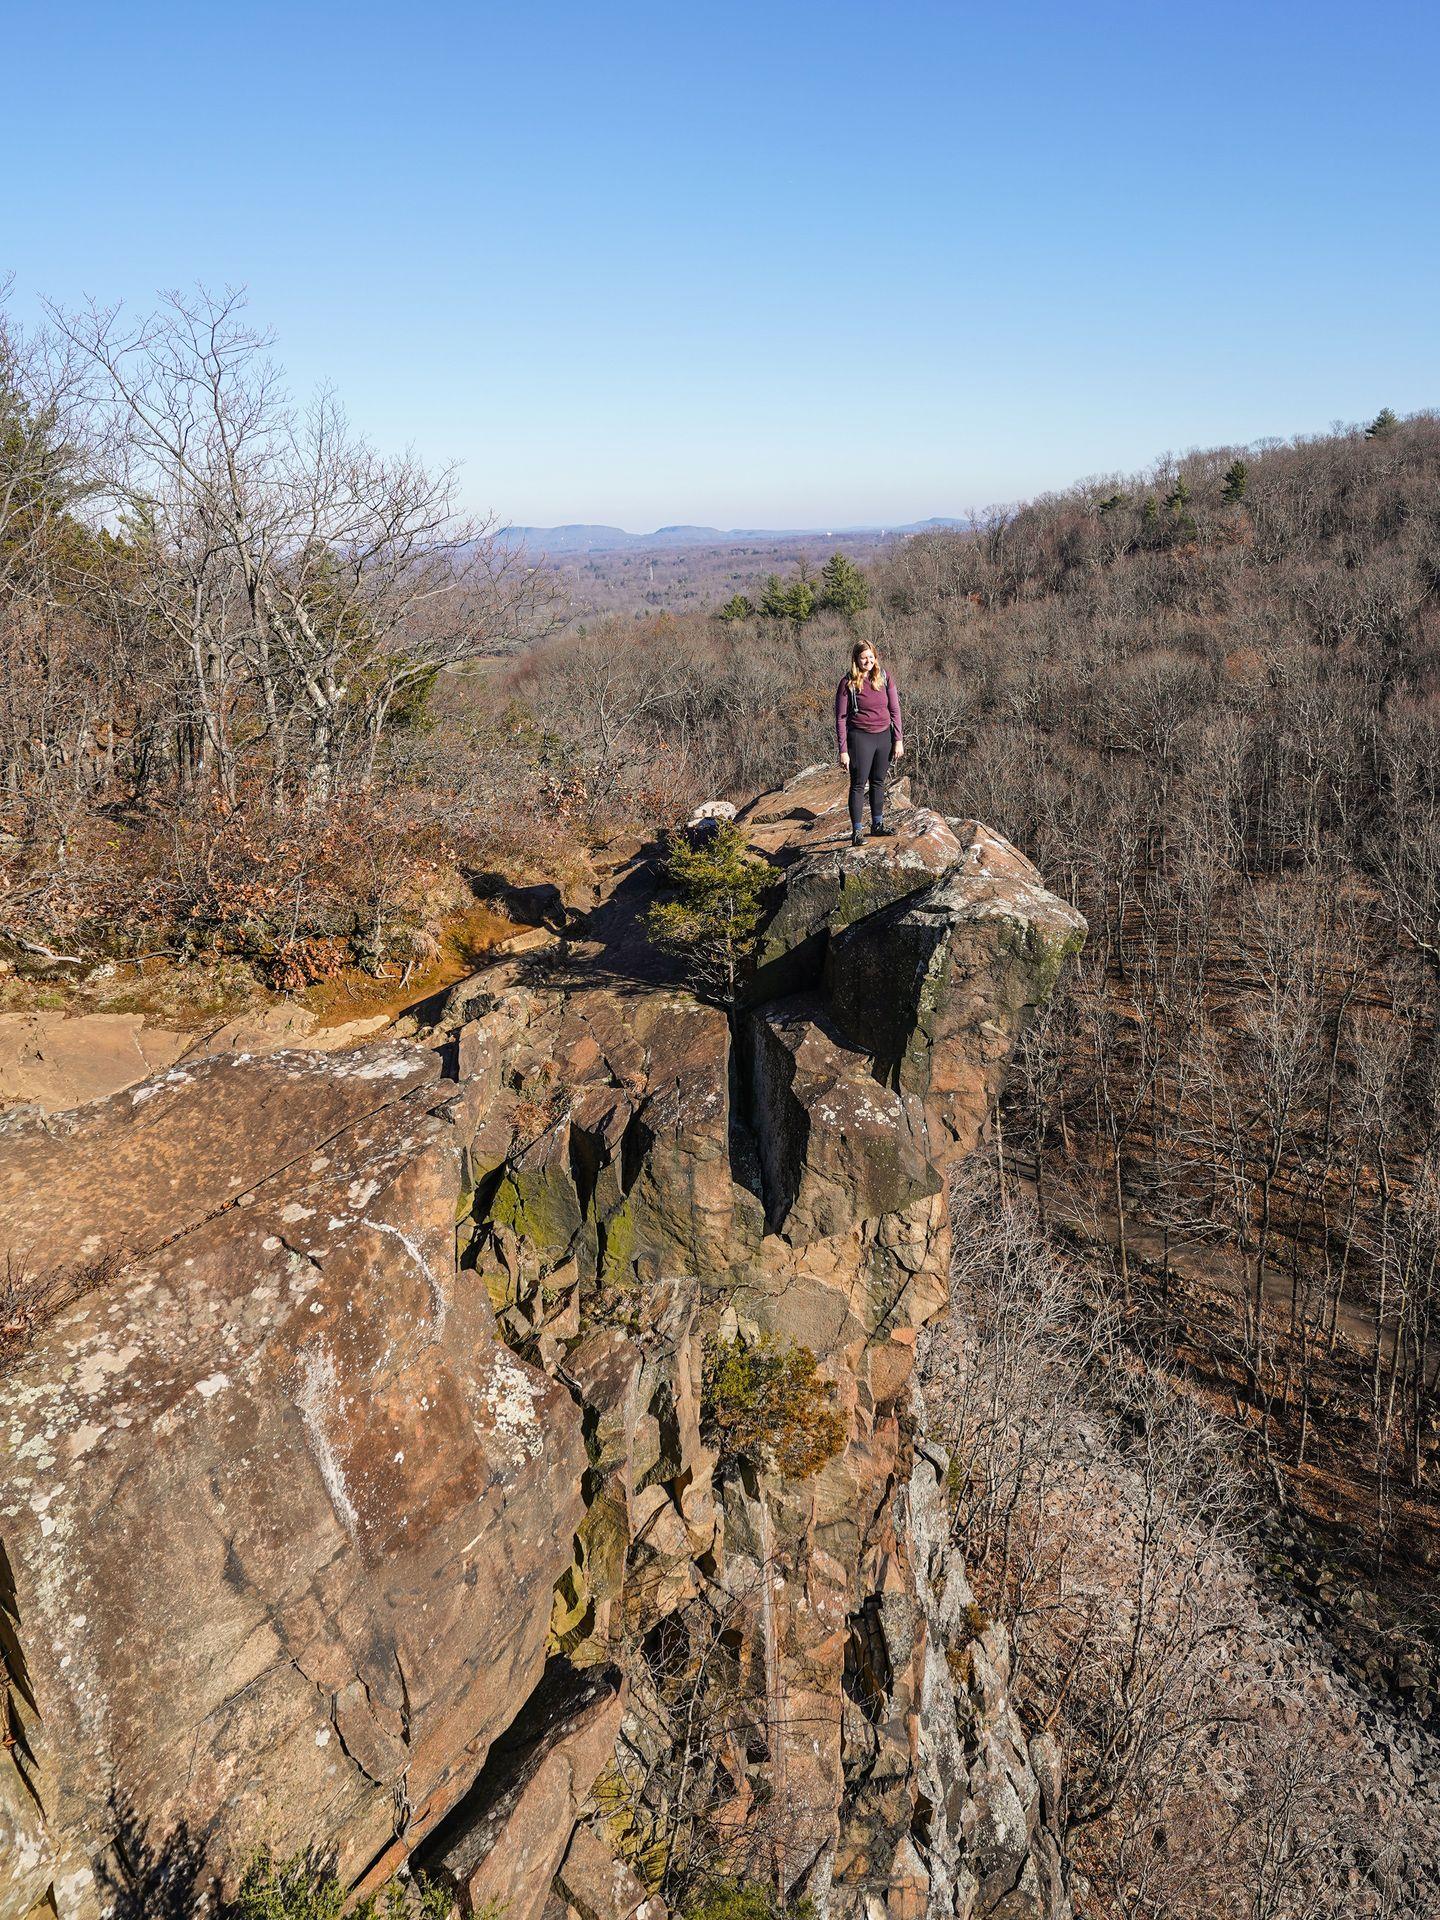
{"x": 800, "y": 528}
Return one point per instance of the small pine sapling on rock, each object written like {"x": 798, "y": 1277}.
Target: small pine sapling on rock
{"x": 712, "y": 925}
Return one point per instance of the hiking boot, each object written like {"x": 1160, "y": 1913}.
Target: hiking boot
{"x": 857, "y": 836}
{"x": 881, "y": 831}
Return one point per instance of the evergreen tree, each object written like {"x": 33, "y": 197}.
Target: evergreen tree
{"x": 737, "y": 607}
{"x": 800, "y": 600}
{"x": 713, "y": 922}
{"x": 843, "y": 587}
{"x": 772, "y": 598}
{"x": 1237, "y": 478}
{"x": 1182, "y": 522}
{"x": 766, "y": 1403}
{"x": 1384, "y": 426}
{"x": 793, "y": 600}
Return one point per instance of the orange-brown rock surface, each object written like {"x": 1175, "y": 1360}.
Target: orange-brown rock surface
{"x": 52, "y": 1061}
{"x": 365, "y": 1497}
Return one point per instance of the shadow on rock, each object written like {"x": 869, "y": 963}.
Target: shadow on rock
{"x": 169, "y": 1878}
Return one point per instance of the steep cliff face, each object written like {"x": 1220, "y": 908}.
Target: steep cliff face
{"x": 375, "y": 1502}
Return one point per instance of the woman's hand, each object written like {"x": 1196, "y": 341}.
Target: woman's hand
{"x": 845, "y": 760}
{"x": 899, "y": 749}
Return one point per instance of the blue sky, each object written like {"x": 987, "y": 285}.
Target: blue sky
{"x": 763, "y": 265}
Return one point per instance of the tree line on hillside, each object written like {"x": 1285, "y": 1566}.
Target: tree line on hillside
{"x": 1206, "y": 701}
{"x": 842, "y": 588}
{"x": 1107, "y": 1524}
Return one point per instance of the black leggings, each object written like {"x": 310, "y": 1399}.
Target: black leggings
{"x": 869, "y": 762}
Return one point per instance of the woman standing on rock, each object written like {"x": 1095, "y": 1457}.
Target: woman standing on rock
{"x": 867, "y": 718}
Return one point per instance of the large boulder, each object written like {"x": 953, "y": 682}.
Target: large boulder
{"x": 500, "y": 1849}
{"x": 672, "y": 1056}
{"x": 618, "y": 1146}
{"x": 597, "y": 1885}
{"x": 53, "y": 1061}
{"x": 118, "y": 1178}
{"x": 283, "y": 1514}
{"x": 936, "y": 987}
{"x": 838, "y": 885}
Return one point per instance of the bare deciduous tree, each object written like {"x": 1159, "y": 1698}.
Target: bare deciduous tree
{"x": 279, "y": 554}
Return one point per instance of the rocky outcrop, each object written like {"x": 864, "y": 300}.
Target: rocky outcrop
{"x": 973, "y": 1808}
{"x": 927, "y": 949}
{"x": 502, "y": 1849}
{"x": 284, "y": 1515}
{"x": 836, "y": 1146}
{"x": 366, "y": 1497}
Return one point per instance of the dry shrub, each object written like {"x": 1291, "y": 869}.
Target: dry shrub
{"x": 29, "y": 1299}
{"x": 296, "y": 896}
{"x": 766, "y": 1403}
{"x": 25, "y": 1298}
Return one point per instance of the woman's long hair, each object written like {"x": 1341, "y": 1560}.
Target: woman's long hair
{"x": 876, "y": 675}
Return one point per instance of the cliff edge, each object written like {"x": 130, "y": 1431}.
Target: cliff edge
{"x": 378, "y": 1490}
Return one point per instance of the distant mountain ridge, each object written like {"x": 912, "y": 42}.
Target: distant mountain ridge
{"x": 582, "y": 537}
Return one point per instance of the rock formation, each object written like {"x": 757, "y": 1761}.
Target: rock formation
{"x": 365, "y": 1495}
{"x": 54, "y": 1062}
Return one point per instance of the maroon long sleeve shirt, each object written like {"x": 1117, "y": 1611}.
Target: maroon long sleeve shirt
{"x": 876, "y": 708}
